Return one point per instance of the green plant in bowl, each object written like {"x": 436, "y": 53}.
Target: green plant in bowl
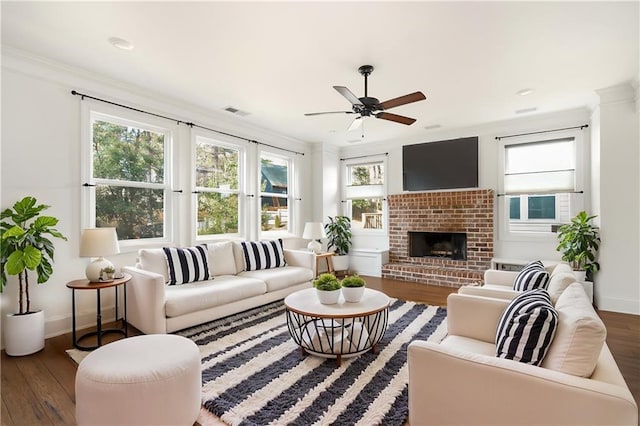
{"x": 353, "y": 281}
{"x": 326, "y": 282}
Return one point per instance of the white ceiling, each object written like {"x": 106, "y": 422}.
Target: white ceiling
{"x": 279, "y": 60}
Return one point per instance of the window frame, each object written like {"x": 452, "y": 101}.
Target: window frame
{"x": 240, "y": 191}
{"x": 347, "y": 201}
{"x": 92, "y": 111}
{"x": 576, "y": 198}
{"x": 292, "y": 221}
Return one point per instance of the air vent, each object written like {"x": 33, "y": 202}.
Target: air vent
{"x": 526, "y": 110}
{"x": 236, "y": 111}
{"x": 432, "y": 127}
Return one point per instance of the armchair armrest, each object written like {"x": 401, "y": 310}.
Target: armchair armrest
{"x": 475, "y": 317}
{"x": 303, "y": 258}
{"x": 450, "y": 386}
{"x": 146, "y": 300}
{"x": 498, "y": 277}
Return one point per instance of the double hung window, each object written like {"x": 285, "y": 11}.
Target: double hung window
{"x": 129, "y": 168}
{"x": 275, "y": 193}
{"x": 365, "y": 192}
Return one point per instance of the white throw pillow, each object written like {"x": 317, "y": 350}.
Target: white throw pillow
{"x": 221, "y": 260}
{"x": 154, "y": 260}
{"x": 579, "y": 337}
{"x": 558, "y": 283}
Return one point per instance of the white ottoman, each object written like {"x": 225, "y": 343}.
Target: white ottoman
{"x": 143, "y": 380}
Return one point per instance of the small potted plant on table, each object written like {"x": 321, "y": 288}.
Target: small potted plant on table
{"x": 353, "y": 288}
{"x": 579, "y": 241}
{"x": 327, "y": 288}
{"x": 339, "y": 234}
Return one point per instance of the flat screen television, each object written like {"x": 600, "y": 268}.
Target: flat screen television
{"x": 440, "y": 165}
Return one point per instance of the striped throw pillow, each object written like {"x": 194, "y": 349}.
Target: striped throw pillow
{"x": 186, "y": 265}
{"x": 263, "y": 254}
{"x": 527, "y": 327}
{"x": 532, "y": 276}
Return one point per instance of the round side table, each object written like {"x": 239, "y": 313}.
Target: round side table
{"x": 97, "y": 286}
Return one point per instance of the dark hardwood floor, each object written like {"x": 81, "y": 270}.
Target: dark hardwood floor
{"x": 40, "y": 389}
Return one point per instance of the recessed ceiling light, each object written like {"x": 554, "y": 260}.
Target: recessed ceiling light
{"x": 121, "y": 43}
{"x": 524, "y": 92}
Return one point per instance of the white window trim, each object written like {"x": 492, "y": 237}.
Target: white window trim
{"x": 577, "y": 200}
{"x": 346, "y": 206}
{"x": 88, "y": 111}
{"x": 197, "y": 135}
{"x": 290, "y": 196}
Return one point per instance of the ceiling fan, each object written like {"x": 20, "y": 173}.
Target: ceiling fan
{"x": 372, "y": 107}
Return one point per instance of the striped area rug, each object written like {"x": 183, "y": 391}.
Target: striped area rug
{"x": 254, "y": 374}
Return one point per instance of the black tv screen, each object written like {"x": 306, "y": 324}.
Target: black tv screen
{"x": 440, "y": 165}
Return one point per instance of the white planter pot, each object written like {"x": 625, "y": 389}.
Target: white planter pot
{"x": 352, "y": 294}
{"x": 328, "y": 297}
{"x": 581, "y": 276}
{"x": 340, "y": 263}
{"x": 24, "y": 334}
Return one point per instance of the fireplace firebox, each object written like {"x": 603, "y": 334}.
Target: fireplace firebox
{"x": 448, "y": 245}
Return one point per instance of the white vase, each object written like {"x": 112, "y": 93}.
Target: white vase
{"x": 24, "y": 334}
{"x": 328, "y": 297}
{"x": 352, "y": 294}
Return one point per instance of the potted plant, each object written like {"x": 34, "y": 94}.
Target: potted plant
{"x": 339, "y": 234}
{"x": 353, "y": 288}
{"x": 24, "y": 247}
{"x": 327, "y": 288}
{"x": 579, "y": 241}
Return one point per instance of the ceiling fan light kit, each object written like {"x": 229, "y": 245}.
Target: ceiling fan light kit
{"x": 367, "y": 106}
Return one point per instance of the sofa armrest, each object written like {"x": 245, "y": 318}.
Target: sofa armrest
{"x": 498, "y": 277}
{"x": 146, "y": 300}
{"x": 450, "y": 386}
{"x": 475, "y": 317}
{"x": 495, "y": 291}
{"x": 304, "y": 258}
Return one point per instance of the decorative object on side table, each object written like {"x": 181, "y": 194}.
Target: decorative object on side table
{"x": 352, "y": 288}
{"x": 25, "y": 246}
{"x": 339, "y": 234}
{"x": 579, "y": 241}
{"x": 99, "y": 242}
{"x": 314, "y": 231}
{"x": 327, "y": 288}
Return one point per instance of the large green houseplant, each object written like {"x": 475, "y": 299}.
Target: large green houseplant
{"x": 338, "y": 231}
{"x": 579, "y": 241}
{"x": 25, "y": 246}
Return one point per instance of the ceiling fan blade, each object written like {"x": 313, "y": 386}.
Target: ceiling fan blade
{"x": 356, "y": 123}
{"x": 348, "y": 94}
{"x": 329, "y": 112}
{"x": 402, "y": 100}
{"x": 397, "y": 118}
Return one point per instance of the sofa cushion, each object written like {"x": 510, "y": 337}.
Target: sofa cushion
{"x": 154, "y": 260}
{"x": 187, "y": 265}
{"x": 526, "y": 328}
{"x": 558, "y": 283}
{"x": 262, "y": 254}
{"x": 201, "y": 295}
{"x": 532, "y": 276}
{"x": 279, "y": 278}
{"x": 221, "y": 260}
{"x": 579, "y": 337}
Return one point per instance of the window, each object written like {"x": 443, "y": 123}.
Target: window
{"x": 275, "y": 193}
{"x": 217, "y": 171}
{"x": 129, "y": 168}
{"x": 541, "y": 179}
{"x": 365, "y": 194}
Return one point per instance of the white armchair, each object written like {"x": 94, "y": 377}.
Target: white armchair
{"x": 461, "y": 382}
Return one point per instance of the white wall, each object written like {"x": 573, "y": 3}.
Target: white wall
{"x": 617, "y": 285}
{"x": 41, "y": 157}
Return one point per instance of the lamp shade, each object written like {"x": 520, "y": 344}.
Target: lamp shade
{"x": 313, "y": 231}
{"x": 99, "y": 242}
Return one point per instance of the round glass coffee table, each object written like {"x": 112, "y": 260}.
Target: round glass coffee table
{"x": 341, "y": 330}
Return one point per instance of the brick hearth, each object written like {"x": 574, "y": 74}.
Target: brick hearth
{"x": 453, "y": 211}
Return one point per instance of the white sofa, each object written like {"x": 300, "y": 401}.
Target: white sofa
{"x": 155, "y": 307}
{"x": 461, "y": 381}
{"x": 498, "y": 283}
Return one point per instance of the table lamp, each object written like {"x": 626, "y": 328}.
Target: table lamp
{"x": 98, "y": 242}
{"x": 314, "y": 231}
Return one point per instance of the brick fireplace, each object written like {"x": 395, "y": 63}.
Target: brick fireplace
{"x": 428, "y": 231}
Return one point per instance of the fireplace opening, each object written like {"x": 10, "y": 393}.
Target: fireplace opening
{"x": 448, "y": 245}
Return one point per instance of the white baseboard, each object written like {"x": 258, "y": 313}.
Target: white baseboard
{"x": 61, "y": 324}
{"x": 625, "y": 306}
